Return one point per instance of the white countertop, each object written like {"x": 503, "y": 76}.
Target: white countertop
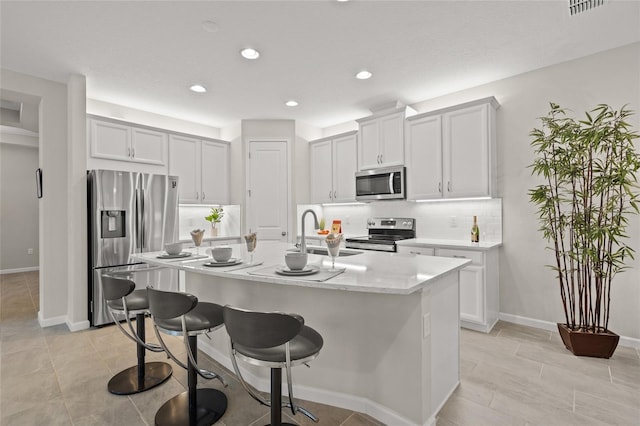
{"x": 453, "y": 244}
{"x": 370, "y": 271}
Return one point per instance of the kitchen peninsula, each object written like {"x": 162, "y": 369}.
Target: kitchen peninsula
{"x": 390, "y": 325}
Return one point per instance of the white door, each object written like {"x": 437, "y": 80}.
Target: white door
{"x": 320, "y": 172}
{"x": 268, "y": 190}
{"x": 215, "y": 172}
{"x": 345, "y": 165}
{"x": 184, "y": 162}
{"x": 424, "y": 158}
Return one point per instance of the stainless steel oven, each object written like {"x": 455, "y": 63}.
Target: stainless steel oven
{"x": 381, "y": 184}
{"x": 383, "y": 234}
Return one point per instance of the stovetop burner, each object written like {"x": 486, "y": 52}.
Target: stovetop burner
{"x": 383, "y": 234}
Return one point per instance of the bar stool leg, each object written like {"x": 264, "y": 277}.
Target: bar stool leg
{"x": 276, "y": 398}
{"x": 142, "y": 376}
{"x": 195, "y": 407}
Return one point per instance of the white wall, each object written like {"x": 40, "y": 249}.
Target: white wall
{"x": 527, "y": 287}
{"x": 18, "y": 206}
{"x": 53, "y": 218}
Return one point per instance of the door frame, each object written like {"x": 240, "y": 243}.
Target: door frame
{"x": 290, "y": 210}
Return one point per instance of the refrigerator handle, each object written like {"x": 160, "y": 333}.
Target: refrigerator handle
{"x": 138, "y": 208}
{"x": 142, "y": 217}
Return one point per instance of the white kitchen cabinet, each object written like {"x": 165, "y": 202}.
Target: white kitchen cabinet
{"x": 333, "y": 163}
{"x": 424, "y": 251}
{"x": 451, "y": 152}
{"x": 203, "y": 169}
{"x": 381, "y": 139}
{"x": 112, "y": 140}
{"x": 479, "y": 288}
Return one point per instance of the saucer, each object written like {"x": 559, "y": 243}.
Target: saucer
{"x": 230, "y": 262}
{"x": 307, "y": 270}
{"x": 174, "y": 256}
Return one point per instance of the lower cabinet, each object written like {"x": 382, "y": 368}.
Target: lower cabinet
{"x": 479, "y": 284}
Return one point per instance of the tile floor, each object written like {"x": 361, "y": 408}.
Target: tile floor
{"x": 515, "y": 375}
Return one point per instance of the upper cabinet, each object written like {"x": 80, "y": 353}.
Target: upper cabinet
{"x": 381, "y": 139}
{"x": 118, "y": 141}
{"x": 203, "y": 168}
{"x": 451, "y": 153}
{"x": 333, "y": 163}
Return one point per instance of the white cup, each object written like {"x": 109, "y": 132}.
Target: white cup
{"x": 173, "y": 248}
{"x": 221, "y": 253}
{"x": 296, "y": 260}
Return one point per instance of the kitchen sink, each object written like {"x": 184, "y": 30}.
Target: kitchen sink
{"x": 324, "y": 252}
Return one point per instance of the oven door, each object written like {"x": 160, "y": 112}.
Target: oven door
{"x": 380, "y": 184}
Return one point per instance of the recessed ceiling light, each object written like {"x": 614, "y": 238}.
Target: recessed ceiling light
{"x": 198, "y": 88}
{"x": 250, "y": 53}
{"x": 210, "y": 26}
{"x": 363, "y": 75}
{"x": 291, "y": 103}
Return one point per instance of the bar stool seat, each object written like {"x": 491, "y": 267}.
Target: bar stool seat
{"x": 181, "y": 314}
{"x": 123, "y": 299}
{"x": 275, "y": 340}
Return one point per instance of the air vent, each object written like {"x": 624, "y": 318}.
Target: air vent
{"x": 579, "y": 6}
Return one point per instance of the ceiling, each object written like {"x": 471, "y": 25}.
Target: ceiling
{"x": 145, "y": 54}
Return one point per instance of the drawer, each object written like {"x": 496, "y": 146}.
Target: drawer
{"x": 477, "y": 258}
{"x": 424, "y": 251}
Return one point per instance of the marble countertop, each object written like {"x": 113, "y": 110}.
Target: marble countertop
{"x": 450, "y": 244}
{"x": 369, "y": 271}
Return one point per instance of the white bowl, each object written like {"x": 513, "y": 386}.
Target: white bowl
{"x": 221, "y": 254}
{"x": 173, "y": 248}
{"x": 296, "y": 260}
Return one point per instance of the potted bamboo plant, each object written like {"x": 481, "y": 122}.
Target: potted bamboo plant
{"x": 590, "y": 189}
{"x": 215, "y": 217}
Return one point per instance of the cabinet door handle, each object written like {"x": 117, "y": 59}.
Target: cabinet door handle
{"x": 334, "y": 195}
{"x": 440, "y": 187}
{"x": 381, "y": 158}
{"x": 448, "y": 186}
{"x": 459, "y": 256}
{"x": 329, "y": 194}
{"x": 128, "y": 152}
{"x": 202, "y": 195}
{"x": 414, "y": 252}
{"x": 133, "y": 153}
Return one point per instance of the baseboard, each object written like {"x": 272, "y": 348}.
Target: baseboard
{"x": 18, "y": 270}
{"x": 49, "y": 322}
{"x": 78, "y": 326}
{"x": 629, "y": 342}
{"x": 336, "y": 399}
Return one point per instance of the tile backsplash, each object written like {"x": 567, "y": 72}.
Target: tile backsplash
{"x": 450, "y": 220}
{"x": 192, "y": 217}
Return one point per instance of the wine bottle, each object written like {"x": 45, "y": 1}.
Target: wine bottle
{"x": 475, "y": 231}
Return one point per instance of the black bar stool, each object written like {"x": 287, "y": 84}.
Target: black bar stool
{"x": 180, "y": 314}
{"x": 275, "y": 340}
{"x": 123, "y": 299}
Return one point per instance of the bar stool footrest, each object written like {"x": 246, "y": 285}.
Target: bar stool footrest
{"x": 212, "y": 405}
{"x": 126, "y": 381}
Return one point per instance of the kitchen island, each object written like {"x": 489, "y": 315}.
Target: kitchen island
{"x": 390, "y": 325}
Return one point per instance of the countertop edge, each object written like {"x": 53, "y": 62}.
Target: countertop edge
{"x": 455, "y": 244}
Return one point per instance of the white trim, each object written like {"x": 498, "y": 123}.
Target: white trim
{"x": 48, "y": 322}
{"x": 322, "y": 396}
{"x": 629, "y": 342}
{"x": 78, "y": 326}
{"x": 18, "y": 270}
{"x": 10, "y": 130}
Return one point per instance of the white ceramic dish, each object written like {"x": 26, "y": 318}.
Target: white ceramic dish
{"x": 174, "y": 256}
{"x": 173, "y": 248}
{"x": 230, "y": 262}
{"x": 307, "y": 270}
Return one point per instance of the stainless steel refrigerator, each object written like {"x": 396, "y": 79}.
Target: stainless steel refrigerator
{"x": 128, "y": 213}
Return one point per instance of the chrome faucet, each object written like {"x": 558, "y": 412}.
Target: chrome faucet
{"x": 303, "y": 242}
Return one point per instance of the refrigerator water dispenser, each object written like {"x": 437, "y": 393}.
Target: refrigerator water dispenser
{"x": 113, "y": 223}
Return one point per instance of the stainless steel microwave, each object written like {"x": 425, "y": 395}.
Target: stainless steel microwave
{"x": 381, "y": 184}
